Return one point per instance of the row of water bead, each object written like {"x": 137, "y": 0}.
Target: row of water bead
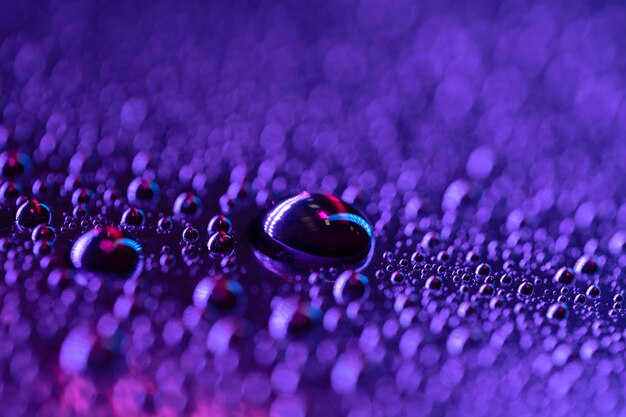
{"x": 220, "y": 244}
{"x": 35, "y": 215}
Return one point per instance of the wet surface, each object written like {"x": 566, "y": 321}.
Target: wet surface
{"x": 155, "y": 156}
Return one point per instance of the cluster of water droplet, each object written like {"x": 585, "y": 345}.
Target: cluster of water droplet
{"x": 355, "y": 208}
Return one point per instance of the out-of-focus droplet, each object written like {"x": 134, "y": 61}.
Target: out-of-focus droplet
{"x": 219, "y": 293}
{"x": 82, "y": 195}
{"x": 459, "y": 193}
{"x": 586, "y": 265}
{"x": 564, "y": 276}
{"x": 10, "y": 192}
{"x": 434, "y": 283}
{"x": 351, "y": 286}
{"x": 557, "y": 312}
{"x": 188, "y": 204}
{"x": 293, "y": 317}
{"x": 143, "y": 191}
{"x": 593, "y": 291}
{"x": 14, "y": 164}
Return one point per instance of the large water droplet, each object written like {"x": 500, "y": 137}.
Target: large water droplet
{"x": 311, "y": 231}
{"x": 107, "y": 249}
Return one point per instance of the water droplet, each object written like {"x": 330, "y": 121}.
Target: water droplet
{"x": 483, "y": 269}
{"x": 42, "y": 248}
{"x": 14, "y": 164}
{"x": 444, "y": 257}
{"x": 188, "y": 204}
{"x": 472, "y": 256}
{"x": 80, "y": 211}
{"x": 44, "y": 232}
{"x": 557, "y": 312}
{"x": 586, "y": 265}
{"x": 496, "y": 302}
{"x": 564, "y": 276}
{"x": 526, "y": 289}
{"x": 133, "y": 217}
{"x": 219, "y": 223}
{"x": 311, "y": 231}
{"x": 459, "y": 193}
{"x": 221, "y": 294}
{"x": 293, "y": 317}
{"x": 33, "y": 213}
{"x": 417, "y": 257}
{"x": 487, "y": 290}
{"x": 143, "y": 190}
{"x": 351, "y": 286}
{"x": 10, "y": 192}
{"x": 221, "y": 244}
{"x": 397, "y": 277}
{"x": 165, "y": 224}
{"x": 82, "y": 195}
{"x": 107, "y": 249}
{"x": 190, "y": 234}
{"x": 431, "y": 240}
{"x": 6, "y": 243}
{"x": 434, "y": 283}
{"x": 41, "y": 188}
{"x": 593, "y": 291}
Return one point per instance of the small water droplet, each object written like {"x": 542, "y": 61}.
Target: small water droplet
{"x": 190, "y": 234}
{"x": 526, "y": 289}
{"x": 221, "y": 244}
{"x": 133, "y": 217}
{"x": 219, "y": 223}
{"x": 165, "y": 224}
{"x": 593, "y": 291}
{"x": 33, "y": 213}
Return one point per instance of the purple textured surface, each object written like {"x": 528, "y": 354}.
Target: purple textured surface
{"x": 485, "y": 141}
